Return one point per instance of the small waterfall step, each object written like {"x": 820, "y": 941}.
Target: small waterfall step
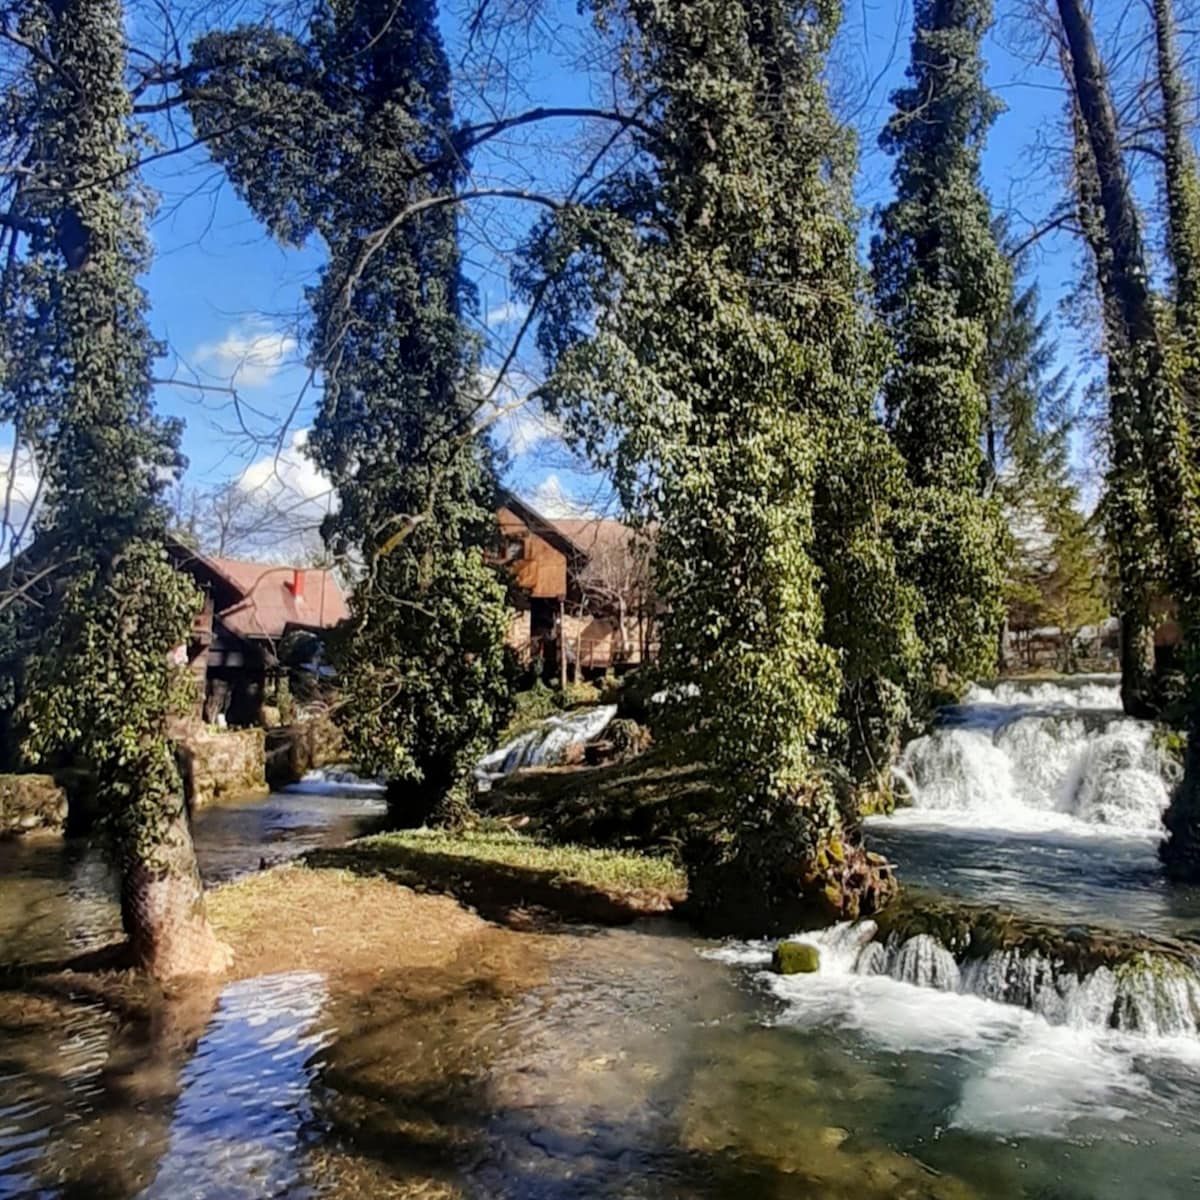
{"x": 545, "y": 745}
{"x": 1083, "y": 977}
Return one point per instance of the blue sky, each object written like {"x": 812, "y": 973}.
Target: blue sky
{"x": 230, "y": 303}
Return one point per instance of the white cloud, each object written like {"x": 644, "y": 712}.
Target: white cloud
{"x": 507, "y": 313}
{"x": 18, "y": 492}
{"x": 250, "y": 355}
{"x": 289, "y": 475}
{"x": 553, "y": 500}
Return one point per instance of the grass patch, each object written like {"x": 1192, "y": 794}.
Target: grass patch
{"x": 613, "y": 871}
{"x": 647, "y": 804}
{"x": 514, "y": 878}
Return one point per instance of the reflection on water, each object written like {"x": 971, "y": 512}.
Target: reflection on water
{"x": 58, "y": 898}
{"x": 240, "y": 1122}
{"x": 641, "y": 1068}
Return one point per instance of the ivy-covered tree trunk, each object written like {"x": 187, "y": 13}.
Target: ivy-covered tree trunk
{"x": 943, "y": 285}
{"x": 100, "y": 681}
{"x": 162, "y": 896}
{"x": 707, "y": 335}
{"x": 1182, "y": 186}
{"x": 349, "y": 135}
{"x": 1149, "y": 400}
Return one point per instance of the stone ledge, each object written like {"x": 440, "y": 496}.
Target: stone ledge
{"x": 29, "y": 802}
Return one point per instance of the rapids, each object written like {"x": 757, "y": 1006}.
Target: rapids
{"x": 1040, "y": 757}
{"x": 545, "y": 745}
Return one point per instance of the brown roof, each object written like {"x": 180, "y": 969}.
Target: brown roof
{"x": 594, "y": 535}
{"x": 270, "y": 606}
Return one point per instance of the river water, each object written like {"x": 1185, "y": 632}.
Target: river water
{"x": 649, "y": 1063}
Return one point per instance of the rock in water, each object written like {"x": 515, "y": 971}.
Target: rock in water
{"x": 795, "y": 958}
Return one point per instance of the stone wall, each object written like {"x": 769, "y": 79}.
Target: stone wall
{"x": 222, "y": 762}
{"x": 29, "y": 802}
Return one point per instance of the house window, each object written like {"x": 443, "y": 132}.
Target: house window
{"x": 514, "y": 548}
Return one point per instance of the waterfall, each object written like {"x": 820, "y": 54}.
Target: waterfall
{"x": 546, "y": 745}
{"x": 1030, "y": 756}
{"x": 1149, "y": 994}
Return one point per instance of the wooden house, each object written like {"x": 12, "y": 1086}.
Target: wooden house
{"x": 580, "y": 587}
{"x": 249, "y": 608}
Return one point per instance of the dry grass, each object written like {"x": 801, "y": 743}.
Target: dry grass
{"x": 341, "y": 924}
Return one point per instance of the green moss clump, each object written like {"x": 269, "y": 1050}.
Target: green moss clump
{"x": 1170, "y": 743}
{"x": 795, "y": 958}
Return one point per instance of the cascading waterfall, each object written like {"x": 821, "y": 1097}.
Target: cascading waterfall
{"x": 1150, "y": 994}
{"x": 1038, "y": 756}
{"x": 546, "y": 745}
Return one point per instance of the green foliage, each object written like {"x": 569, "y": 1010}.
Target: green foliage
{"x": 942, "y": 287}
{"x": 581, "y": 694}
{"x": 530, "y": 708}
{"x": 1057, "y": 576}
{"x": 99, "y": 685}
{"x": 347, "y": 130}
{"x": 709, "y": 346}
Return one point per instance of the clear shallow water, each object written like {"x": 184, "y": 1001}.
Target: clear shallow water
{"x": 58, "y": 898}
{"x": 643, "y": 1066}
{"x": 647, "y": 1064}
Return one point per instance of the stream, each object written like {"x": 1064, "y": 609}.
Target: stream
{"x": 651, "y": 1063}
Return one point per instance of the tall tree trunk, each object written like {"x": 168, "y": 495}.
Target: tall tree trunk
{"x": 1137, "y": 662}
{"x": 1153, "y": 399}
{"x": 162, "y": 898}
{"x": 1130, "y": 526}
{"x": 1182, "y": 187}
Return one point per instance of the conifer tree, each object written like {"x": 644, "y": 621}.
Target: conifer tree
{"x": 354, "y": 130}
{"x": 942, "y": 285}
{"x": 709, "y": 343}
{"x": 77, "y": 382}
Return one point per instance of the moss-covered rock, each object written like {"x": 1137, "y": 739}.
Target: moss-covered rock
{"x": 972, "y": 932}
{"x": 795, "y": 958}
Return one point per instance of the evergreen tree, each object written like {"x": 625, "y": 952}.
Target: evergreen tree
{"x": 422, "y": 663}
{"x": 77, "y": 384}
{"x": 942, "y": 286}
{"x": 709, "y": 342}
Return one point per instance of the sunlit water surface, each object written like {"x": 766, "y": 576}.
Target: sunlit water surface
{"x": 649, "y": 1063}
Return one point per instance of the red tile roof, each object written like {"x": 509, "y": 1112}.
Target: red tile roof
{"x": 270, "y": 604}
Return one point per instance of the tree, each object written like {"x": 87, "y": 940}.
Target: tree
{"x": 1182, "y": 188}
{"x": 707, "y": 331}
{"x": 355, "y": 132}
{"x": 1148, "y": 407}
{"x": 942, "y": 285}
{"x": 1133, "y": 542}
{"x": 77, "y": 384}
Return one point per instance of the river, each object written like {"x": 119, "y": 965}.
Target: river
{"x": 650, "y": 1063}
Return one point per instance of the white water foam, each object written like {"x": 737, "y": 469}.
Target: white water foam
{"x": 1087, "y": 691}
{"x": 335, "y": 781}
{"x": 1039, "y": 1071}
{"x": 547, "y": 744}
{"x": 1041, "y": 757}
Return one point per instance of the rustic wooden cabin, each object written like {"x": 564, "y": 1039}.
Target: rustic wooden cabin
{"x": 249, "y": 607}
{"x": 580, "y": 590}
